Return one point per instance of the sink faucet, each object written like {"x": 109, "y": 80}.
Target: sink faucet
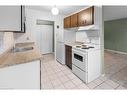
{"x": 90, "y": 40}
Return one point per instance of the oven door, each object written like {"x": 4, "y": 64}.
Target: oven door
{"x": 79, "y": 59}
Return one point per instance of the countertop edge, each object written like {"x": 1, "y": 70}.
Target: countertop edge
{"x": 15, "y": 64}
{"x": 10, "y": 59}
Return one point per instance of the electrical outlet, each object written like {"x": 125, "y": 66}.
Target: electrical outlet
{"x": 27, "y": 38}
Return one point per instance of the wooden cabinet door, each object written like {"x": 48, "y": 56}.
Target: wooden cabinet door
{"x": 67, "y": 22}
{"x": 74, "y": 20}
{"x": 68, "y": 56}
{"x": 86, "y": 17}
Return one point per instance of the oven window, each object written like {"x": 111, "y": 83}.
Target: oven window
{"x": 78, "y": 57}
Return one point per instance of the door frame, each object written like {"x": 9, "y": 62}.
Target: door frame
{"x": 48, "y": 22}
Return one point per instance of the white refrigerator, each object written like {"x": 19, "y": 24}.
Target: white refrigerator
{"x": 60, "y": 48}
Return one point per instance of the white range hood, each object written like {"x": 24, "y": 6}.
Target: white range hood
{"x": 82, "y": 28}
{"x": 89, "y": 27}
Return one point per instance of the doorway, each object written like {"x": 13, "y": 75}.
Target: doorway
{"x": 45, "y": 36}
{"x": 115, "y": 37}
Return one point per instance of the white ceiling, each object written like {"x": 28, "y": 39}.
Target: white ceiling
{"x": 64, "y": 10}
{"x": 114, "y": 12}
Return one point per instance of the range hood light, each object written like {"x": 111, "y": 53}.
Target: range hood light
{"x": 89, "y": 27}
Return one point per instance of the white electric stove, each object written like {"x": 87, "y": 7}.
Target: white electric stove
{"x": 86, "y": 61}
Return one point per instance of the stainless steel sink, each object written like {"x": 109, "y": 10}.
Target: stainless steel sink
{"x": 22, "y": 49}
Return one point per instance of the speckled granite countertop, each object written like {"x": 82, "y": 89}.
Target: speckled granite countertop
{"x": 10, "y": 58}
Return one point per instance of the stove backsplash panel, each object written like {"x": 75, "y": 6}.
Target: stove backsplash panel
{"x": 88, "y": 37}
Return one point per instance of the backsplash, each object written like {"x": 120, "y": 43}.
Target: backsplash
{"x": 23, "y": 37}
{"x": 88, "y": 36}
{"x": 1, "y": 37}
{"x": 6, "y": 41}
{"x": 69, "y": 36}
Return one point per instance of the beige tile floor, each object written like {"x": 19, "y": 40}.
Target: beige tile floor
{"x": 116, "y": 67}
{"x": 57, "y": 76}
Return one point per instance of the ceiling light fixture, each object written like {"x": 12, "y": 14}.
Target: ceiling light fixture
{"x": 55, "y": 10}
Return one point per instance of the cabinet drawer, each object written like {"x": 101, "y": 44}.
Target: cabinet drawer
{"x": 81, "y": 74}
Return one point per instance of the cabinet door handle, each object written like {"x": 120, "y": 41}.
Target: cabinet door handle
{"x": 82, "y": 22}
{"x": 85, "y": 21}
{"x": 24, "y": 27}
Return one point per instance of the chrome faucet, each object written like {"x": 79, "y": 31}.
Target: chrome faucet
{"x": 90, "y": 40}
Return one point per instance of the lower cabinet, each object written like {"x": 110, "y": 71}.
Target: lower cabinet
{"x": 22, "y": 76}
{"x": 68, "y": 56}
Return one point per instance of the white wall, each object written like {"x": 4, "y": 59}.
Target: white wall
{"x": 114, "y": 12}
{"x": 33, "y": 15}
{"x": 69, "y": 36}
{"x": 6, "y": 41}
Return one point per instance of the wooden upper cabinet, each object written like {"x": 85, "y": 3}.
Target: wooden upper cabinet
{"x": 82, "y": 18}
{"x": 86, "y": 17}
{"x": 74, "y": 20}
{"x": 67, "y": 22}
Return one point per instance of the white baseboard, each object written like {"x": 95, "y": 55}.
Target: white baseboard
{"x": 119, "y": 52}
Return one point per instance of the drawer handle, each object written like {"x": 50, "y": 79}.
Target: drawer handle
{"x": 85, "y": 21}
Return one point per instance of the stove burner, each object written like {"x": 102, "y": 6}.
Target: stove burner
{"x": 84, "y": 45}
{"x": 85, "y": 48}
{"x": 91, "y": 47}
{"x": 78, "y": 46}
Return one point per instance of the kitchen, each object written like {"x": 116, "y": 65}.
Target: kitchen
{"x": 62, "y": 51}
